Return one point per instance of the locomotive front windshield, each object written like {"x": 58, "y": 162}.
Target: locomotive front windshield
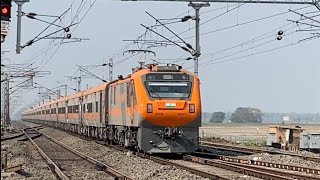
{"x": 167, "y": 86}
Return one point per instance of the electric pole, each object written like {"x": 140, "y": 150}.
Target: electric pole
{"x": 18, "y": 44}
{"x": 197, "y": 7}
{"x": 79, "y": 83}
{"x": 110, "y": 69}
{"x": 65, "y": 90}
{"x": 6, "y": 101}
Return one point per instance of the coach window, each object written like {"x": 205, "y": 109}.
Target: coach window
{"x": 75, "y": 108}
{"x": 69, "y": 109}
{"x": 63, "y": 110}
{"x": 97, "y": 106}
{"x": 89, "y": 107}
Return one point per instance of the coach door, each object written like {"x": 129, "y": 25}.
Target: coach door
{"x": 56, "y": 112}
{"x": 100, "y": 107}
{"x": 107, "y": 104}
{"x": 66, "y": 111}
{"x": 81, "y": 110}
{"x": 131, "y": 100}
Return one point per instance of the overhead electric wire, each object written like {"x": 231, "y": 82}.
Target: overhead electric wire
{"x": 78, "y": 10}
{"x": 90, "y": 73}
{"x": 123, "y": 60}
{"x": 50, "y": 25}
{"x": 16, "y": 85}
{"x": 260, "y": 52}
{"x": 241, "y": 24}
{"x": 250, "y": 48}
{"x": 85, "y": 14}
{"x": 77, "y": 24}
{"x": 187, "y": 44}
{"x": 302, "y": 15}
{"x": 220, "y": 15}
{"x": 216, "y": 9}
{"x": 35, "y": 40}
{"x": 255, "y": 39}
{"x": 119, "y": 52}
{"x": 48, "y": 89}
{"x": 167, "y": 39}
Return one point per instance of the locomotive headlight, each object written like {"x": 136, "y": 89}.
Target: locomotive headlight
{"x": 191, "y": 108}
{"x": 149, "y": 108}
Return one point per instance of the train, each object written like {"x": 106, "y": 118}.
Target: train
{"x": 310, "y": 141}
{"x": 155, "y": 109}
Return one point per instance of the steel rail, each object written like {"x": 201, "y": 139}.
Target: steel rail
{"x": 57, "y": 170}
{"x": 116, "y": 174}
{"x": 166, "y": 162}
{"x": 105, "y": 167}
{"x": 190, "y": 169}
{"x": 260, "y": 163}
{"x": 236, "y": 168}
{"x": 252, "y": 150}
{"x": 273, "y": 171}
{"x": 3, "y": 138}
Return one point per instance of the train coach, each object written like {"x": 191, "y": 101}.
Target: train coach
{"x": 156, "y": 109}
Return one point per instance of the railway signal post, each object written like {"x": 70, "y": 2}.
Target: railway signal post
{"x": 5, "y": 18}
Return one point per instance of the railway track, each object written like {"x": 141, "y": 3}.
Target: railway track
{"x": 16, "y": 135}
{"x": 68, "y": 163}
{"x": 164, "y": 161}
{"x": 252, "y": 170}
{"x": 244, "y": 150}
{"x": 159, "y": 160}
{"x": 187, "y": 168}
{"x": 308, "y": 170}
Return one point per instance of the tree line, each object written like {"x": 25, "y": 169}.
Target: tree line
{"x": 240, "y": 115}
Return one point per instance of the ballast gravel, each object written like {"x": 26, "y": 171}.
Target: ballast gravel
{"x": 23, "y": 152}
{"x": 133, "y": 166}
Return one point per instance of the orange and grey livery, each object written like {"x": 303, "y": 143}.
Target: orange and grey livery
{"x": 156, "y": 109}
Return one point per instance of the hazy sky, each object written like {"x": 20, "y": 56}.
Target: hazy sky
{"x": 283, "y": 80}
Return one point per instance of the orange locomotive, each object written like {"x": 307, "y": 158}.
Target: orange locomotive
{"x": 156, "y": 109}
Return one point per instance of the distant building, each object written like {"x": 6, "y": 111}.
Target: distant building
{"x": 286, "y": 120}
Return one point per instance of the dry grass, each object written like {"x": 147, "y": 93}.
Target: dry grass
{"x": 253, "y": 130}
